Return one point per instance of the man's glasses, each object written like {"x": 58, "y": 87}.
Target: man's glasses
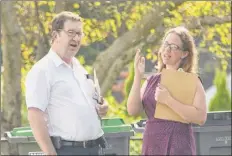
{"x": 172, "y": 47}
{"x": 72, "y": 33}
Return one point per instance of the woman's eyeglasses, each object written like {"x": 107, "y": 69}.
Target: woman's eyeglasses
{"x": 172, "y": 47}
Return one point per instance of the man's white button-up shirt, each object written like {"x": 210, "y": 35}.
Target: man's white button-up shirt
{"x": 66, "y": 97}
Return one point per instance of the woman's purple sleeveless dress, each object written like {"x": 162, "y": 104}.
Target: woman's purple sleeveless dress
{"x": 163, "y": 137}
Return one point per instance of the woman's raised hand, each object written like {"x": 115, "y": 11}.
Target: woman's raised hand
{"x": 139, "y": 64}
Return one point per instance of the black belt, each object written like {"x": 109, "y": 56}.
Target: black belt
{"x": 58, "y": 143}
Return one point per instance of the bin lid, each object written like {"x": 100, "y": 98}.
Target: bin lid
{"x": 109, "y": 125}
{"x": 112, "y": 121}
{"x": 22, "y": 131}
{"x": 115, "y": 125}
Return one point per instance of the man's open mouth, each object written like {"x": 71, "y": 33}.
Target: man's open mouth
{"x": 73, "y": 45}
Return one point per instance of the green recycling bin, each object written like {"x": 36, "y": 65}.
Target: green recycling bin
{"x": 23, "y": 138}
{"x": 117, "y": 134}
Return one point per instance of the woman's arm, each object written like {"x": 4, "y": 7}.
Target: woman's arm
{"x": 197, "y": 113}
{"x": 134, "y": 102}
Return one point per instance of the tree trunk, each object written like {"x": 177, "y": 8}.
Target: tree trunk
{"x": 11, "y": 116}
{"x": 42, "y": 37}
{"x": 60, "y": 6}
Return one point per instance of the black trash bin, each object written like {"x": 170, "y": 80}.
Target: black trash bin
{"x": 213, "y": 138}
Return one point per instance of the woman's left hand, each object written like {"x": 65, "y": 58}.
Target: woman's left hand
{"x": 162, "y": 94}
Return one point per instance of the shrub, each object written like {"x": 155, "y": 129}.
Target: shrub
{"x": 222, "y": 99}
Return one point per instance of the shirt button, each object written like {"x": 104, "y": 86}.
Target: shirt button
{"x": 45, "y": 119}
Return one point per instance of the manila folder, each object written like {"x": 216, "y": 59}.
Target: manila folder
{"x": 182, "y": 86}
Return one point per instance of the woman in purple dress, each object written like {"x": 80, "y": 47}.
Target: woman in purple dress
{"x": 165, "y": 137}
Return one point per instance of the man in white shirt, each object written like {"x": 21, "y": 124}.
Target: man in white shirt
{"x": 62, "y": 113}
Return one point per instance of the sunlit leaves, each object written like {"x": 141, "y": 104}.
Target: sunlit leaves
{"x": 136, "y": 145}
{"x": 195, "y": 8}
{"x": 149, "y": 56}
{"x": 163, "y": 3}
{"x": 152, "y": 31}
{"x": 218, "y": 38}
{"x": 130, "y": 24}
{"x": 27, "y": 56}
{"x": 122, "y": 13}
{"x": 76, "y": 6}
{"x": 205, "y": 8}
{"x": 224, "y": 64}
{"x": 81, "y": 59}
{"x": 88, "y": 68}
{"x": 51, "y": 3}
{"x": 223, "y": 31}
{"x": 178, "y": 18}
{"x": 118, "y": 19}
{"x": 97, "y": 4}
{"x": 96, "y": 31}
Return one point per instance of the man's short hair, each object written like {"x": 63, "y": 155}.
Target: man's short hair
{"x": 59, "y": 20}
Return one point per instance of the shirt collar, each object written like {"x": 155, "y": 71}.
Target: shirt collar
{"x": 55, "y": 58}
{"x": 58, "y": 61}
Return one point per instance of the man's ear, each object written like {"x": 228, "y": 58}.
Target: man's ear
{"x": 184, "y": 54}
{"x": 54, "y": 34}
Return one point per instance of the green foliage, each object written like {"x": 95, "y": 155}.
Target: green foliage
{"x": 136, "y": 144}
{"x": 222, "y": 99}
{"x": 130, "y": 79}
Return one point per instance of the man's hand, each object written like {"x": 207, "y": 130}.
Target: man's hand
{"x": 102, "y": 109}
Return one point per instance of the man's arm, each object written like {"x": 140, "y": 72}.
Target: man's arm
{"x": 37, "y": 99}
{"x": 40, "y": 130}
